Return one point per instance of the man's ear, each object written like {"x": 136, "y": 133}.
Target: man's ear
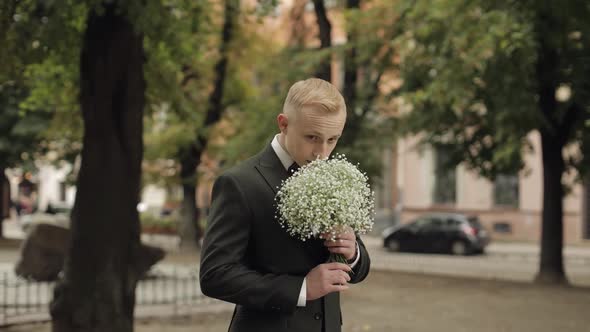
{"x": 283, "y": 122}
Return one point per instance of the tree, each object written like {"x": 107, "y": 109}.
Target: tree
{"x": 21, "y": 130}
{"x": 479, "y": 76}
{"x": 366, "y": 61}
{"x": 325, "y": 35}
{"x": 191, "y": 154}
{"x": 97, "y": 292}
{"x": 102, "y": 259}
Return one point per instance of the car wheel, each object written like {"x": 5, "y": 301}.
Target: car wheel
{"x": 459, "y": 248}
{"x": 392, "y": 245}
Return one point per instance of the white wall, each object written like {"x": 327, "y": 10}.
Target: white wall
{"x": 417, "y": 174}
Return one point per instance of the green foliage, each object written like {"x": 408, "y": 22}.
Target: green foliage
{"x": 255, "y": 121}
{"x": 159, "y": 224}
{"x": 256, "y": 90}
{"x": 43, "y": 44}
{"x": 470, "y": 81}
{"x": 20, "y": 135}
{"x": 41, "y": 53}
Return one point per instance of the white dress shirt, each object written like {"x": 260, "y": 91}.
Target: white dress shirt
{"x": 287, "y": 161}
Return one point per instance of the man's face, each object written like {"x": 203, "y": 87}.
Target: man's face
{"x": 311, "y": 133}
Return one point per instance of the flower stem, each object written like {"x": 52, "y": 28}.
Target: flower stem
{"x": 338, "y": 258}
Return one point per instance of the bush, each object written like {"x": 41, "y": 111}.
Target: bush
{"x": 152, "y": 224}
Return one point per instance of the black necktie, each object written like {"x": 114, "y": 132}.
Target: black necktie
{"x": 293, "y": 168}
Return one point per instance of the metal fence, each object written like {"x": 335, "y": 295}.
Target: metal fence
{"x": 165, "y": 292}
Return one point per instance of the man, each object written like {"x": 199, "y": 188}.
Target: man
{"x": 280, "y": 283}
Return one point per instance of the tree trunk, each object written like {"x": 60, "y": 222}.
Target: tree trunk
{"x": 554, "y": 135}
{"x": 325, "y": 33}
{"x": 190, "y": 233}
{"x": 4, "y": 200}
{"x": 586, "y": 209}
{"x": 97, "y": 292}
{"x": 349, "y": 90}
{"x": 551, "y": 268}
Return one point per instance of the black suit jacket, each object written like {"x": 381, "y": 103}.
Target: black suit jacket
{"x": 249, "y": 260}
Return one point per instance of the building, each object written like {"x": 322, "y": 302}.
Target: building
{"x": 511, "y": 207}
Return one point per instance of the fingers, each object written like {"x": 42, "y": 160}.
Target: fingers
{"x": 344, "y": 243}
{"x": 342, "y": 246}
{"x": 337, "y": 266}
{"x": 327, "y": 278}
{"x": 348, "y": 253}
{"x": 336, "y": 280}
{"x": 342, "y": 278}
{"x": 338, "y": 288}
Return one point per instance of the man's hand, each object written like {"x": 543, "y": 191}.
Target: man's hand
{"x": 344, "y": 243}
{"x": 327, "y": 278}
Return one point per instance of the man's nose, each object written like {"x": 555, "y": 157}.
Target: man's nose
{"x": 321, "y": 151}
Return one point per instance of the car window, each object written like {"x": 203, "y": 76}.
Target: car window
{"x": 452, "y": 223}
{"x": 436, "y": 222}
{"x": 418, "y": 224}
{"x": 432, "y": 223}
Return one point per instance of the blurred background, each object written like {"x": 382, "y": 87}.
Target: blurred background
{"x": 472, "y": 119}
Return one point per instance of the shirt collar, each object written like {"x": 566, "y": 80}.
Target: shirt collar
{"x": 283, "y": 155}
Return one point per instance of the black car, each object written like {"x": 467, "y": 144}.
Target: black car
{"x": 439, "y": 232}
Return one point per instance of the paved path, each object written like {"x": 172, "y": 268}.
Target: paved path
{"x": 502, "y": 261}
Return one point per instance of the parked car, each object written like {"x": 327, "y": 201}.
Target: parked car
{"x": 457, "y": 234}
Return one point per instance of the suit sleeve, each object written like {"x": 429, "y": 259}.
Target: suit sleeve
{"x": 361, "y": 269}
{"x": 225, "y": 273}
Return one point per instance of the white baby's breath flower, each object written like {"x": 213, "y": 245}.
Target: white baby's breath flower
{"x": 324, "y": 196}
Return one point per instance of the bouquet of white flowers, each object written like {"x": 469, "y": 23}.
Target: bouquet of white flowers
{"x": 325, "y": 196}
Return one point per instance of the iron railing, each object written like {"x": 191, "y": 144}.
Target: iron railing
{"x": 168, "y": 291}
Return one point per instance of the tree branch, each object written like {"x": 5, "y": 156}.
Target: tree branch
{"x": 325, "y": 34}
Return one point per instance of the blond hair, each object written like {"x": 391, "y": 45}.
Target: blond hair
{"x": 314, "y": 92}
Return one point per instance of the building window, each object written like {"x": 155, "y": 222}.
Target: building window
{"x": 445, "y": 178}
{"x": 506, "y": 190}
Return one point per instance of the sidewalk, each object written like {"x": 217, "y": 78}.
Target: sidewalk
{"x": 525, "y": 248}
{"x": 516, "y": 249}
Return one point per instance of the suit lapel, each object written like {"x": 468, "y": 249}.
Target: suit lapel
{"x": 273, "y": 172}
{"x": 271, "y": 169}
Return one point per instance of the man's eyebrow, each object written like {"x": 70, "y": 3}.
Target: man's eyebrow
{"x": 316, "y": 133}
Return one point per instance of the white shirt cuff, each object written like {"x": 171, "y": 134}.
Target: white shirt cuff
{"x": 356, "y": 260}
{"x": 302, "y": 294}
